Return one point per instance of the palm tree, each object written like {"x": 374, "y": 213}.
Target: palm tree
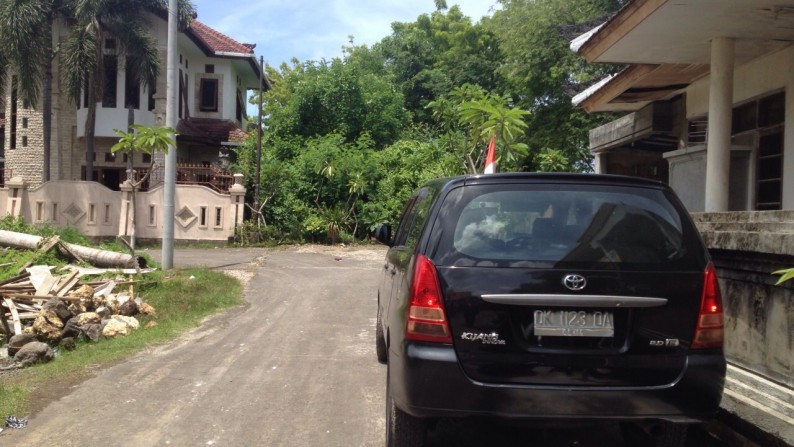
{"x": 26, "y": 33}
{"x": 126, "y": 22}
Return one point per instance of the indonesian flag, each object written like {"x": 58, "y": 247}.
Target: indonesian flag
{"x": 490, "y": 159}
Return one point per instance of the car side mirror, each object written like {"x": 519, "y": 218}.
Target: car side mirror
{"x": 383, "y": 234}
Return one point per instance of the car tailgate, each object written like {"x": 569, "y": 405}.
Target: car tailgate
{"x": 524, "y": 326}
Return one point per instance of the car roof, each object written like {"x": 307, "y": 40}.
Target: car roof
{"x": 545, "y": 177}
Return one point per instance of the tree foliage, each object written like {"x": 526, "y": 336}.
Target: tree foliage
{"x": 347, "y": 141}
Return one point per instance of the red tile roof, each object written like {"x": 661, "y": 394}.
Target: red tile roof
{"x": 217, "y": 42}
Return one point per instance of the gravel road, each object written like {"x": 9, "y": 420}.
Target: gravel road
{"x": 294, "y": 367}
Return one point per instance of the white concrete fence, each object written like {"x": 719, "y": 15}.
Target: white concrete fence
{"x": 201, "y": 214}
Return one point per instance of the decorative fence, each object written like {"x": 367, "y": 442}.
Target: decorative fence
{"x": 200, "y": 212}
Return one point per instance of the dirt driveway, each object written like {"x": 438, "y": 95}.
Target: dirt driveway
{"x": 294, "y": 367}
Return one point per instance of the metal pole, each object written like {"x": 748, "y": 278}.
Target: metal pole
{"x": 259, "y": 142}
{"x": 169, "y": 180}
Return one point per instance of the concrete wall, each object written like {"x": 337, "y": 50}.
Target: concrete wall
{"x": 759, "y": 315}
{"x": 96, "y": 211}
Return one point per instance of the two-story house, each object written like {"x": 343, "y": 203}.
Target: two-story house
{"x": 215, "y": 74}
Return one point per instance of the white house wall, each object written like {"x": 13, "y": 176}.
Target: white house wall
{"x": 763, "y": 76}
{"x": 192, "y": 63}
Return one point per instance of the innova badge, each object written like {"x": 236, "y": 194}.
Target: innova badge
{"x": 574, "y": 282}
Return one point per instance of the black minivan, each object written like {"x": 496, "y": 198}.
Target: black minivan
{"x": 548, "y": 297}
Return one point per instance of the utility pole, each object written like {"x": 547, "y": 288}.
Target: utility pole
{"x": 257, "y": 211}
{"x": 169, "y": 180}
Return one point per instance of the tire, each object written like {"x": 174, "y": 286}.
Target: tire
{"x": 402, "y": 429}
{"x": 662, "y": 434}
{"x": 670, "y": 435}
{"x": 380, "y": 341}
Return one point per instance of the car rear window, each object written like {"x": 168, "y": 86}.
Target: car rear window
{"x": 557, "y": 225}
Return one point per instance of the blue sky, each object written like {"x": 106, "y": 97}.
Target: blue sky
{"x": 316, "y": 29}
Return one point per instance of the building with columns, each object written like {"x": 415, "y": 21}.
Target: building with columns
{"x": 707, "y": 88}
{"x": 705, "y": 94}
{"x": 215, "y": 74}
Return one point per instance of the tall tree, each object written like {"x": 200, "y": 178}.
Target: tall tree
{"x": 436, "y": 53}
{"x": 125, "y": 22}
{"x": 26, "y": 33}
{"x": 542, "y": 73}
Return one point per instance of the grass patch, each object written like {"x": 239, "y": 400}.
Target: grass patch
{"x": 181, "y": 303}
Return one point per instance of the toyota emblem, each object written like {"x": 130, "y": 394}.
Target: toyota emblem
{"x": 574, "y": 282}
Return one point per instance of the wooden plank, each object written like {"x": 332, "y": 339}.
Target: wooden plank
{"x": 14, "y": 279}
{"x": 66, "y": 284}
{"x": 25, "y": 297}
{"x": 14, "y": 316}
{"x": 4, "y": 321}
{"x": 51, "y": 242}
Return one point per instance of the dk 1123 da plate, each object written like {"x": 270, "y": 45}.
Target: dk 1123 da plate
{"x": 574, "y": 323}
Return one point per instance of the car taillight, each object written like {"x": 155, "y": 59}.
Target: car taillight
{"x": 710, "y": 328}
{"x": 426, "y": 318}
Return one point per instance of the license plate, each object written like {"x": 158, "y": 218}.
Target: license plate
{"x": 574, "y": 323}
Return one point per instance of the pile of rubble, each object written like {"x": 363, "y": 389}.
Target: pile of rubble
{"x": 42, "y": 310}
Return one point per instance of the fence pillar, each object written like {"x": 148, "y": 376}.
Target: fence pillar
{"x": 17, "y": 189}
{"x": 237, "y": 205}
{"x": 126, "y": 203}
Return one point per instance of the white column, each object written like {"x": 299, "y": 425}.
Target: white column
{"x": 600, "y": 162}
{"x": 718, "y": 145}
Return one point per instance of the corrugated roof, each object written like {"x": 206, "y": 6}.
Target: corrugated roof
{"x": 218, "y": 42}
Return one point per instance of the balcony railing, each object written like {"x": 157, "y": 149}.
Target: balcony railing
{"x": 195, "y": 174}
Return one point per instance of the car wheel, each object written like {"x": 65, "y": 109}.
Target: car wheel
{"x": 670, "y": 435}
{"x": 380, "y": 340}
{"x": 662, "y": 434}
{"x": 402, "y": 429}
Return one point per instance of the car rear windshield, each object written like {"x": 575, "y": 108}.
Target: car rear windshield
{"x": 592, "y": 226}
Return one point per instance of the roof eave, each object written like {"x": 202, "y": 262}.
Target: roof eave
{"x": 615, "y": 29}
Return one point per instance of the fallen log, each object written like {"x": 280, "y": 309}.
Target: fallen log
{"x": 97, "y": 257}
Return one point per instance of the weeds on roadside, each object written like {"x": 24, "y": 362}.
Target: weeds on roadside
{"x": 182, "y": 299}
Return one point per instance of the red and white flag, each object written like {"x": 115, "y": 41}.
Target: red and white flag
{"x": 490, "y": 159}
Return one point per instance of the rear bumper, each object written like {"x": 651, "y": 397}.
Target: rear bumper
{"x": 427, "y": 381}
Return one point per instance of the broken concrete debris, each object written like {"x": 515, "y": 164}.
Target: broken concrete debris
{"x": 39, "y": 310}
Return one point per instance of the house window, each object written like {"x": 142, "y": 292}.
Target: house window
{"x": 218, "y": 217}
{"x": 24, "y": 123}
{"x": 769, "y": 192}
{"x": 24, "y": 141}
{"x": 208, "y": 93}
{"x": 12, "y": 131}
{"x": 763, "y": 118}
{"x": 182, "y": 85}
{"x": 109, "y": 86}
{"x": 147, "y": 158}
{"x": 110, "y": 157}
{"x": 132, "y": 87}
{"x": 152, "y": 91}
{"x": 240, "y": 107}
{"x": 203, "y": 216}
{"x": 209, "y": 68}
